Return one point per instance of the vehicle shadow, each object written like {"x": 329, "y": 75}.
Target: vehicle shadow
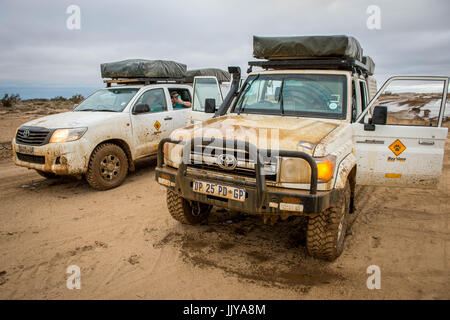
{"x": 242, "y": 245}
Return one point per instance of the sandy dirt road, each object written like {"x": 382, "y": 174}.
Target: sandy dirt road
{"x": 128, "y": 246}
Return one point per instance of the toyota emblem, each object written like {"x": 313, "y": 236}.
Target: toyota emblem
{"x": 226, "y": 161}
{"x": 26, "y": 133}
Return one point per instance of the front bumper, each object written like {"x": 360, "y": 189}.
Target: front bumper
{"x": 260, "y": 199}
{"x": 68, "y": 158}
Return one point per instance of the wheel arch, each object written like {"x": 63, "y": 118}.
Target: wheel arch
{"x": 124, "y": 146}
{"x": 347, "y": 171}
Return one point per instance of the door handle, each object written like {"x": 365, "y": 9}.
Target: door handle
{"x": 168, "y": 118}
{"x": 426, "y": 142}
{"x": 371, "y": 141}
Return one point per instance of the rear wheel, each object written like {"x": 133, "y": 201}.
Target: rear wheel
{"x": 48, "y": 175}
{"x": 326, "y": 232}
{"x": 187, "y": 212}
{"x": 108, "y": 167}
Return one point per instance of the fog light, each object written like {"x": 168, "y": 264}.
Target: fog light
{"x": 273, "y": 205}
{"x": 166, "y": 182}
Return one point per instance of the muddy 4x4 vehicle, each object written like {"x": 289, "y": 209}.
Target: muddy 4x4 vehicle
{"x": 115, "y": 126}
{"x": 296, "y": 140}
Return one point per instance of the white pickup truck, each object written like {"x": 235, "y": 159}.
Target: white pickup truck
{"x": 104, "y": 135}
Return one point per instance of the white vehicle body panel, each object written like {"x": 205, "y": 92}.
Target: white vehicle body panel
{"x": 419, "y": 165}
{"x": 419, "y": 158}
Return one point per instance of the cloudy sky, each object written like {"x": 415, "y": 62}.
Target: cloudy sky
{"x": 38, "y": 50}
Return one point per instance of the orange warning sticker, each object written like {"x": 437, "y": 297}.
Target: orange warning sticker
{"x": 157, "y": 125}
{"x": 393, "y": 175}
{"x": 397, "y": 147}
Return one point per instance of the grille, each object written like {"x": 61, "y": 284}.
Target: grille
{"x": 205, "y": 158}
{"x": 31, "y": 158}
{"x": 34, "y": 136}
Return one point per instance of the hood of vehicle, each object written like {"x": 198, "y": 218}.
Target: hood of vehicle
{"x": 71, "y": 119}
{"x": 266, "y": 132}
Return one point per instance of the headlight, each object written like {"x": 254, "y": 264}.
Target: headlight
{"x": 297, "y": 170}
{"x": 66, "y": 135}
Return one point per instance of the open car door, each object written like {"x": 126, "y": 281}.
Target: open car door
{"x": 402, "y": 142}
{"x": 205, "y": 87}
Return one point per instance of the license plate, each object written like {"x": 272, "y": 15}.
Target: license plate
{"x": 219, "y": 190}
{"x": 26, "y": 149}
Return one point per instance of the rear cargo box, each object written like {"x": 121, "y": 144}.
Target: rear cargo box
{"x": 140, "y": 68}
{"x": 273, "y": 48}
{"x": 369, "y": 64}
{"x": 221, "y": 75}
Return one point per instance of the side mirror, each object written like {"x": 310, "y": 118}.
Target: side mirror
{"x": 210, "y": 105}
{"x": 379, "y": 117}
{"x": 141, "y": 108}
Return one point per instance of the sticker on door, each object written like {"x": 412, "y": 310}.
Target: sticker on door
{"x": 157, "y": 125}
{"x": 397, "y": 147}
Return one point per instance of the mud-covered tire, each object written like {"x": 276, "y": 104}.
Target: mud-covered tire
{"x": 325, "y": 233}
{"x": 182, "y": 210}
{"x": 108, "y": 167}
{"x": 48, "y": 175}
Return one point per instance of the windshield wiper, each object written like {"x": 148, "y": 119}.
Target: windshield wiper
{"x": 83, "y": 110}
{"x": 107, "y": 110}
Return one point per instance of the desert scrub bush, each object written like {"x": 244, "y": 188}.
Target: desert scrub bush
{"x": 77, "y": 98}
{"x": 58, "y": 99}
{"x": 9, "y": 100}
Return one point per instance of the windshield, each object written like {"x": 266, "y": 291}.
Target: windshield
{"x": 313, "y": 95}
{"x": 113, "y": 100}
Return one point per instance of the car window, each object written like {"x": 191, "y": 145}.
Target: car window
{"x": 206, "y": 88}
{"x": 155, "y": 99}
{"x": 413, "y": 102}
{"x": 364, "y": 99}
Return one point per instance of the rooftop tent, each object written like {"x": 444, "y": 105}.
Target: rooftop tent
{"x": 140, "y": 68}
{"x": 369, "y": 64}
{"x": 273, "y": 48}
{"x": 221, "y": 75}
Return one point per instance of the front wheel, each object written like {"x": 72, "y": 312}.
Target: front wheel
{"x": 108, "y": 167}
{"x": 325, "y": 234}
{"x": 187, "y": 212}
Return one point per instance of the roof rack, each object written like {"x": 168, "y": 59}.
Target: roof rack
{"x": 316, "y": 63}
{"x": 144, "y": 81}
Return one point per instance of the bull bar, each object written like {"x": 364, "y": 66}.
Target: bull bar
{"x": 312, "y": 202}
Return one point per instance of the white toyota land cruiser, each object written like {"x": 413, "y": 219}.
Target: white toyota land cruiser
{"x": 300, "y": 135}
